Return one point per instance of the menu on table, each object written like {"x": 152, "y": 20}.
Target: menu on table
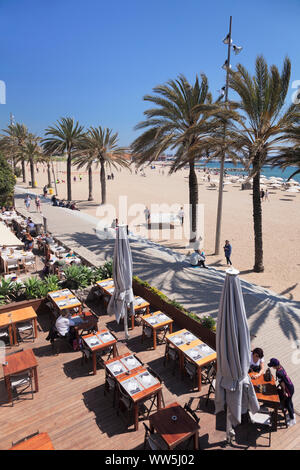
{"x": 116, "y": 368}
{"x": 199, "y": 352}
{"x": 131, "y": 362}
{"x": 147, "y": 379}
{"x": 183, "y": 338}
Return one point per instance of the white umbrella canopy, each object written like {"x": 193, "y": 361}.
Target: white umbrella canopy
{"x": 122, "y": 276}
{"x": 233, "y": 384}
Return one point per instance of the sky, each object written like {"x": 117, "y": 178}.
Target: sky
{"x": 94, "y": 60}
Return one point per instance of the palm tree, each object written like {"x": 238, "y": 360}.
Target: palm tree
{"x": 101, "y": 145}
{"x": 32, "y": 152}
{"x": 181, "y": 121}
{"x": 289, "y": 156}
{"x": 65, "y": 136}
{"x": 264, "y": 129}
{"x": 12, "y": 143}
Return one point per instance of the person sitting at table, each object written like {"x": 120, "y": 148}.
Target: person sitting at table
{"x": 65, "y": 326}
{"x": 46, "y": 268}
{"x": 257, "y": 362}
{"x": 71, "y": 254}
{"x": 31, "y": 227}
{"x": 28, "y": 241}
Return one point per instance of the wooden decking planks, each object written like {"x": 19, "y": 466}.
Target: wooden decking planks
{"x": 72, "y": 408}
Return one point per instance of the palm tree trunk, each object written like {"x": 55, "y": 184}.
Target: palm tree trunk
{"x": 257, "y": 219}
{"x": 32, "y": 173}
{"x": 103, "y": 182}
{"x": 69, "y": 181}
{"x": 49, "y": 175}
{"x": 90, "y": 198}
{"x": 193, "y": 188}
{"x": 23, "y": 171}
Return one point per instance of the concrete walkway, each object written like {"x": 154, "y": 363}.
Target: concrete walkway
{"x": 274, "y": 319}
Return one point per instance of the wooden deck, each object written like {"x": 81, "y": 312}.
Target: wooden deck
{"x": 71, "y": 407}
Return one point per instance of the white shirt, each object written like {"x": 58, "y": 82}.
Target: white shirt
{"x": 252, "y": 363}
{"x": 181, "y": 213}
{"x": 194, "y": 259}
{"x": 63, "y": 324}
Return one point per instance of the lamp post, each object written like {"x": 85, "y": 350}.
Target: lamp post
{"x": 227, "y": 67}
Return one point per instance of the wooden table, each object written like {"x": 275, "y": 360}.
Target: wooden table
{"x": 41, "y": 441}
{"x": 99, "y": 347}
{"x": 174, "y": 432}
{"x": 11, "y": 319}
{"x": 64, "y": 295}
{"x": 270, "y": 398}
{"x": 126, "y": 363}
{"x": 17, "y": 363}
{"x": 147, "y": 319}
{"x": 144, "y": 393}
{"x": 185, "y": 349}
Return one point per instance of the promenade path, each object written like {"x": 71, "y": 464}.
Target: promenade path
{"x": 274, "y": 319}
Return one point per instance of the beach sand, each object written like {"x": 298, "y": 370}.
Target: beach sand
{"x": 281, "y": 222}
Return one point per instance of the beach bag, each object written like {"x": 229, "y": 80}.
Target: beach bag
{"x": 268, "y": 375}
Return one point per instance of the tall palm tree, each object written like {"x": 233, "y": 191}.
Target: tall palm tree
{"x": 12, "y": 142}
{"x": 32, "y": 153}
{"x": 262, "y": 99}
{"x": 65, "y": 136}
{"x": 101, "y": 145}
{"x": 181, "y": 121}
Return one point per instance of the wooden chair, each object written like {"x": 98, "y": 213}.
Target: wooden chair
{"x": 263, "y": 422}
{"x": 20, "y": 383}
{"x": 153, "y": 440}
{"x": 172, "y": 354}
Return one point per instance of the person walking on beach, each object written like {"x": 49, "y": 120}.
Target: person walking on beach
{"x": 262, "y": 195}
{"x": 45, "y": 190}
{"x": 181, "y": 215}
{"x": 147, "y": 215}
{"x": 286, "y": 390}
{"x": 267, "y": 196}
{"x": 38, "y": 204}
{"x": 27, "y": 202}
{"x": 227, "y": 251}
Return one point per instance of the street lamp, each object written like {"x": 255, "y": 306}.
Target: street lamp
{"x": 224, "y": 93}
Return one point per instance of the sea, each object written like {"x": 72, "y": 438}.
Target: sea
{"x": 267, "y": 170}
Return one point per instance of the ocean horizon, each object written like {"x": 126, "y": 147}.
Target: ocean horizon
{"x": 267, "y": 170}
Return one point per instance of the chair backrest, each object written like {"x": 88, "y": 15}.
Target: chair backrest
{"x": 25, "y": 438}
{"x": 191, "y": 412}
{"x": 14, "y": 352}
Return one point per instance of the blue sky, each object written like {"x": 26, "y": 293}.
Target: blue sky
{"x": 94, "y": 60}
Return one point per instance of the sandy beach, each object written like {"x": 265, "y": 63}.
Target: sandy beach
{"x": 281, "y": 224}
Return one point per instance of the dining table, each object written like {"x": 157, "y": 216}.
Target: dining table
{"x": 40, "y": 441}
{"x": 267, "y": 394}
{"x": 140, "y": 385}
{"x": 193, "y": 349}
{"x": 98, "y": 342}
{"x": 12, "y": 318}
{"x": 174, "y": 425}
{"x": 17, "y": 363}
{"x": 64, "y": 299}
{"x": 155, "y": 322}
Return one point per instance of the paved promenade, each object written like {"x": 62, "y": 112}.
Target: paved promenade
{"x": 274, "y": 319}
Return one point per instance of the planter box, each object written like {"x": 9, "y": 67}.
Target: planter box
{"x": 39, "y": 305}
{"x": 181, "y": 319}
